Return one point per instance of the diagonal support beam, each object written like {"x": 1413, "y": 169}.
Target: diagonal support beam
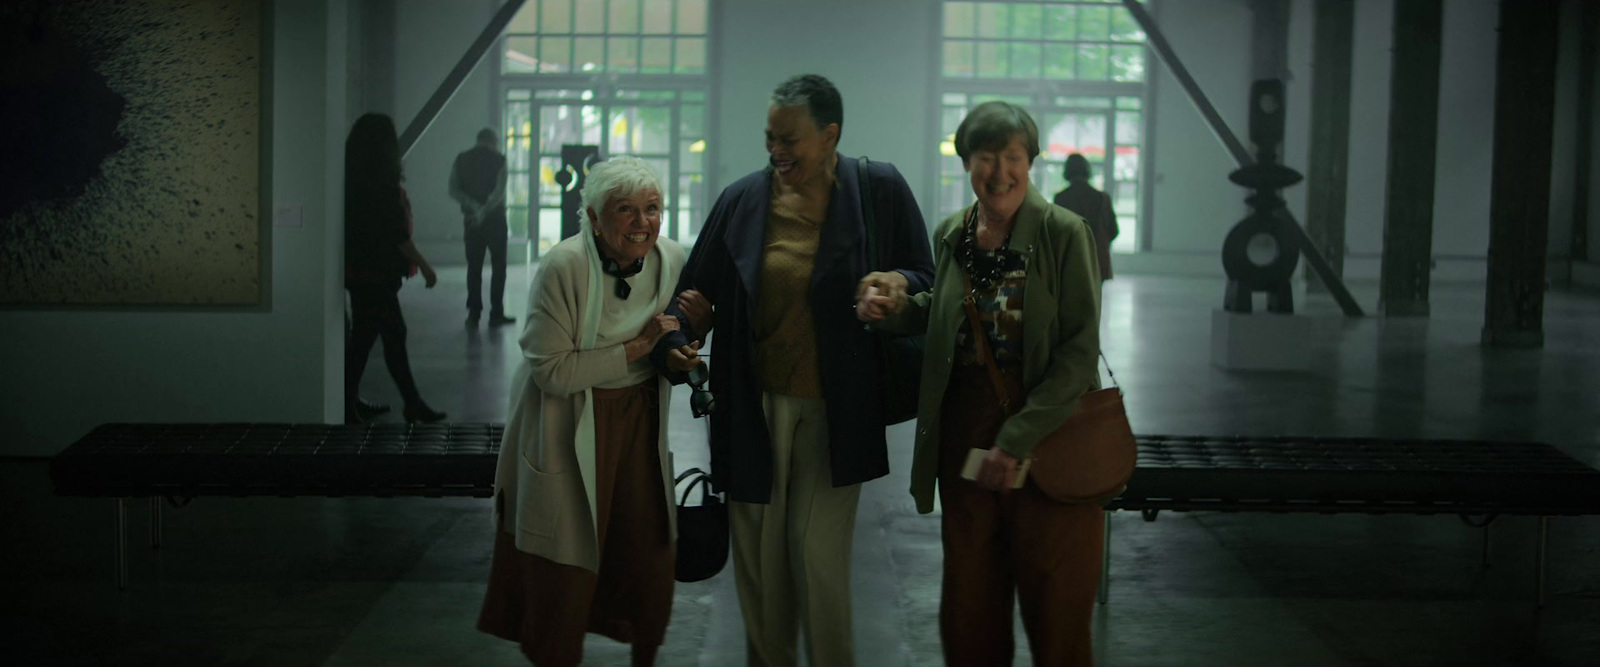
{"x": 1241, "y": 155}
{"x": 457, "y": 76}
{"x": 1169, "y": 57}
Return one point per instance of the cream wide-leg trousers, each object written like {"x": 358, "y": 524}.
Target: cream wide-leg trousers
{"x": 791, "y": 557}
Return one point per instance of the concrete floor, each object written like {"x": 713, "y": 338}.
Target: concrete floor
{"x": 346, "y": 582}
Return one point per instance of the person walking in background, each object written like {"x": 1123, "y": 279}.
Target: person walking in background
{"x": 1093, "y": 206}
{"x": 799, "y": 425}
{"x": 378, "y": 254}
{"x": 1024, "y": 270}
{"x": 478, "y": 184}
{"x": 365, "y": 410}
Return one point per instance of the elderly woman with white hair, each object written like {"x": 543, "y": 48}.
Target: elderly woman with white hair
{"x": 587, "y": 430}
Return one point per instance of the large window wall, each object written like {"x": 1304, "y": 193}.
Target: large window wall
{"x": 628, "y": 76}
{"x": 1079, "y": 69}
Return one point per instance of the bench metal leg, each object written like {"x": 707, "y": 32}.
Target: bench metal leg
{"x": 1544, "y": 534}
{"x": 1485, "y": 523}
{"x": 1105, "y": 562}
{"x": 122, "y": 544}
{"x": 155, "y": 522}
{"x": 1486, "y": 528}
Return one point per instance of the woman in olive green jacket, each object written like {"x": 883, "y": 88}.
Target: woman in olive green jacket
{"x": 1035, "y": 284}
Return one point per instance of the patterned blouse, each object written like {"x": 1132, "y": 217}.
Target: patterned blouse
{"x": 1002, "y": 279}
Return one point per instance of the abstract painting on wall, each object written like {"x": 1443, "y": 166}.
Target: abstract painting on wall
{"x": 130, "y": 173}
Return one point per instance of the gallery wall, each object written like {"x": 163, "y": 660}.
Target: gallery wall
{"x": 878, "y": 53}
{"x": 67, "y": 370}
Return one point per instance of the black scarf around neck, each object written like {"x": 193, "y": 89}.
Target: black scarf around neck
{"x": 622, "y": 273}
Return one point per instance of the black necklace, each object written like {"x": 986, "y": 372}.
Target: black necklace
{"x": 985, "y": 269}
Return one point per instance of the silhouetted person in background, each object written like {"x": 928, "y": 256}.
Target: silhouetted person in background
{"x": 378, "y": 254}
{"x": 478, "y": 183}
{"x": 1095, "y": 207}
{"x": 365, "y": 410}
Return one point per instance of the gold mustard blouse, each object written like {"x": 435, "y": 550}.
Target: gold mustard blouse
{"x": 786, "y": 337}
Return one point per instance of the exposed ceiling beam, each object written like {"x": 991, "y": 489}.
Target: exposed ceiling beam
{"x": 458, "y": 75}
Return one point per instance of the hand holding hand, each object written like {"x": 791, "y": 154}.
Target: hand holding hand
{"x": 880, "y": 294}
{"x": 695, "y": 307}
{"x": 873, "y": 307}
{"x": 999, "y": 469}
{"x": 642, "y": 344}
{"x": 685, "y": 358}
{"x": 892, "y": 284}
{"x": 657, "y": 327}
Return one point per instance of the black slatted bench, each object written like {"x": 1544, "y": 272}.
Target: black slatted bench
{"x": 185, "y": 461}
{"x": 1472, "y": 479}
{"x": 1475, "y": 480}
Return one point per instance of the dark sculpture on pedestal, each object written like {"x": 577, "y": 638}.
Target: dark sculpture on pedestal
{"x": 574, "y": 174}
{"x": 1260, "y": 253}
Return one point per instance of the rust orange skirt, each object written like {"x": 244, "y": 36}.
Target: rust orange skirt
{"x": 547, "y": 607}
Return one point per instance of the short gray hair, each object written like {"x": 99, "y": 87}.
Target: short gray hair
{"x": 622, "y": 176}
{"x": 817, "y": 94}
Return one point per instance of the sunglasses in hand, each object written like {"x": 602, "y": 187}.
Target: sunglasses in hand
{"x": 701, "y": 401}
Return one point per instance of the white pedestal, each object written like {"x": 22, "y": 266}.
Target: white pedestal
{"x": 1261, "y": 341}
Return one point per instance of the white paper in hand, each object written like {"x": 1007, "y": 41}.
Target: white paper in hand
{"x": 974, "y": 463}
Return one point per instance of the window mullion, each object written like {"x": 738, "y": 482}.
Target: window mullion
{"x": 673, "y": 161}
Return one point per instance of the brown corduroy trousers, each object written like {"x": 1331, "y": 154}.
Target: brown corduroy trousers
{"x": 547, "y": 606}
{"x": 1009, "y": 546}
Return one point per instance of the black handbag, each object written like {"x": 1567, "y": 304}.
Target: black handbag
{"x": 900, "y": 357}
{"x": 702, "y": 530}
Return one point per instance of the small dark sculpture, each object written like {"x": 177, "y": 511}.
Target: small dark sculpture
{"x": 1260, "y": 253}
{"x": 574, "y": 174}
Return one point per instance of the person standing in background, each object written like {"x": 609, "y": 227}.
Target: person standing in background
{"x": 1094, "y": 206}
{"x": 478, "y": 184}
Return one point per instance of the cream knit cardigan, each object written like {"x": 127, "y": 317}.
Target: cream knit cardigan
{"x": 545, "y": 476}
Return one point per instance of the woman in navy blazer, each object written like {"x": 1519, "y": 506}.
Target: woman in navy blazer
{"x": 799, "y": 422}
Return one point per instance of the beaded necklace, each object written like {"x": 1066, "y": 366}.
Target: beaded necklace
{"x": 985, "y": 268}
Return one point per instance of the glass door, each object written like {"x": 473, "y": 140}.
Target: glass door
{"x": 1062, "y": 133}
{"x": 665, "y": 128}
{"x": 1105, "y": 129}
{"x": 1106, "y": 132}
